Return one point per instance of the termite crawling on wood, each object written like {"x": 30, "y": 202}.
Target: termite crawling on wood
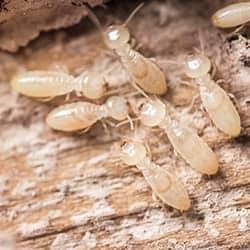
{"x": 166, "y": 185}
{"x": 185, "y": 141}
{"x": 232, "y": 15}
{"x": 143, "y": 71}
{"x": 49, "y": 84}
{"x": 215, "y": 100}
{"x": 82, "y": 115}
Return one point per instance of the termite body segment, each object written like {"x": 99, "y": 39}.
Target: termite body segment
{"x": 143, "y": 71}
{"x": 215, "y": 100}
{"x": 232, "y": 15}
{"x": 82, "y": 115}
{"x": 185, "y": 141}
{"x": 166, "y": 185}
{"x": 43, "y": 84}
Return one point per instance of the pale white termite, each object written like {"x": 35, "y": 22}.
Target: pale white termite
{"x": 166, "y": 185}
{"x": 143, "y": 71}
{"x": 82, "y": 115}
{"x": 215, "y": 100}
{"x": 48, "y": 84}
{"x": 185, "y": 141}
{"x": 232, "y": 15}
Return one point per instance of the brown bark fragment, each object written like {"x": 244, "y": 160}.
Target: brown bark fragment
{"x": 22, "y": 21}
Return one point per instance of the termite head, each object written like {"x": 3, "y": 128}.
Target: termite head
{"x": 91, "y": 85}
{"x": 117, "y": 107}
{"x": 132, "y": 153}
{"x": 152, "y": 113}
{"x": 116, "y": 36}
{"x": 197, "y": 65}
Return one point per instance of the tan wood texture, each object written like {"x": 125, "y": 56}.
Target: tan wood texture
{"x": 71, "y": 191}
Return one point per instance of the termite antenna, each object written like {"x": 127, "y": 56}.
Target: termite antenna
{"x": 140, "y": 90}
{"x": 202, "y": 46}
{"x": 133, "y": 13}
{"x": 167, "y": 106}
{"x": 129, "y": 120}
{"x": 136, "y": 136}
{"x": 92, "y": 16}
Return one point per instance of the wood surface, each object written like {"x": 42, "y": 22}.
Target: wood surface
{"x": 71, "y": 191}
{"x": 22, "y": 20}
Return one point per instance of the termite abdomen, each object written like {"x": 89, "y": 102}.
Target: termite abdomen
{"x": 232, "y": 15}
{"x": 73, "y": 116}
{"x": 41, "y": 84}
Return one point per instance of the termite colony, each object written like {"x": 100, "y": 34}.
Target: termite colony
{"x": 147, "y": 77}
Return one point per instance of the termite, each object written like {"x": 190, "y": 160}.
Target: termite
{"x": 185, "y": 141}
{"x": 143, "y": 71}
{"x": 232, "y": 15}
{"x": 82, "y": 115}
{"x": 166, "y": 185}
{"x": 48, "y": 84}
{"x": 215, "y": 100}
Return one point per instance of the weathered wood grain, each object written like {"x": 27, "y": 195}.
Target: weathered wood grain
{"x": 71, "y": 191}
{"x": 22, "y": 21}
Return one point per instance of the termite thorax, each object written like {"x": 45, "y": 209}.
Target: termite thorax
{"x": 143, "y": 163}
{"x": 204, "y": 80}
{"x": 89, "y": 108}
{"x": 166, "y": 122}
{"x": 103, "y": 110}
{"x": 171, "y": 125}
{"x": 125, "y": 52}
{"x": 80, "y": 81}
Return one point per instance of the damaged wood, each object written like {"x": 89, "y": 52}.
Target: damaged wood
{"x": 71, "y": 191}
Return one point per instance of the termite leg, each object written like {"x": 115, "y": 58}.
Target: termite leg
{"x": 133, "y": 42}
{"x": 78, "y": 94}
{"x": 237, "y": 33}
{"x": 155, "y": 198}
{"x": 214, "y": 70}
{"x": 134, "y": 45}
{"x": 122, "y": 90}
{"x": 108, "y": 53}
{"x": 234, "y": 100}
{"x": 152, "y": 59}
{"x": 105, "y": 127}
{"x": 140, "y": 90}
{"x": 175, "y": 158}
{"x": 129, "y": 120}
{"x": 67, "y": 97}
{"x": 202, "y": 43}
{"x": 60, "y": 68}
{"x": 110, "y": 123}
{"x": 192, "y": 104}
{"x": 190, "y": 83}
{"x": 238, "y": 29}
{"x": 44, "y": 99}
{"x": 83, "y": 131}
{"x": 148, "y": 150}
{"x": 220, "y": 81}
